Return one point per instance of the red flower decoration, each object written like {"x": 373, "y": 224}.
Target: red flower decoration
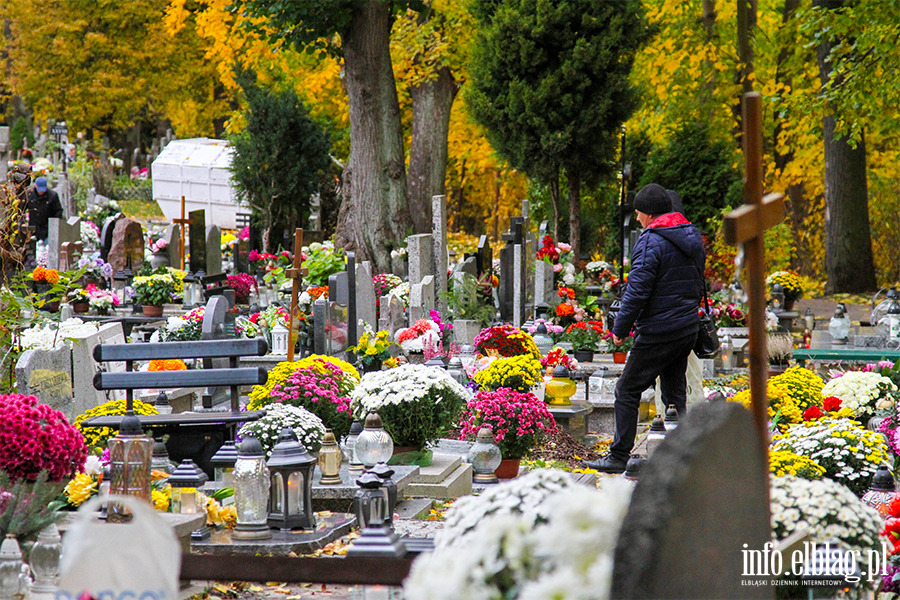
{"x": 812, "y": 413}
{"x": 831, "y": 404}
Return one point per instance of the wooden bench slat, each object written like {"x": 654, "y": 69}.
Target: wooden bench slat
{"x": 132, "y": 380}
{"x": 165, "y": 350}
{"x": 186, "y": 419}
{"x": 848, "y": 354}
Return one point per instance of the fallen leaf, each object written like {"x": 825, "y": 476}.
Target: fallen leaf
{"x": 257, "y": 588}
{"x": 306, "y": 585}
{"x": 280, "y": 590}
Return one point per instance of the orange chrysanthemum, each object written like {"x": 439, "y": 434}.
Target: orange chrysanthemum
{"x": 39, "y": 273}
{"x": 51, "y": 276}
{"x": 564, "y": 310}
{"x": 167, "y": 364}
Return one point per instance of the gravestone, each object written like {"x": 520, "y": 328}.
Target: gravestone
{"x": 439, "y": 249}
{"x": 701, "y": 500}
{"x": 484, "y": 258}
{"x": 421, "y": 299}
{"x": 215, "y": 327}
{"x": 61, "y": 231}
{"x": 241, "y": 256}
{"x": 197, "y": 233}
{"x": 4, "y": 152}
{"x": 352, "y": 314}
{"x": 460, "y": 270}
{"x": 420, "y": 251}
{"x": 365, "y": 295}
{"x": 518, "y": 286}
{"x": 47, "y": 374}
{"x": 392, "y": 314}
{"x": 172, "y": 235}
{"x": 106, "y": 235}
{"x": 213, "y": 249}
{"x": 337, "y": 314}
{"x": 84, "y": 367}
{"x": 543, "y": 284}
{"x": 320, "y": 314}
{"x": 505, "y": 291}
{"x": 128, "y": 243}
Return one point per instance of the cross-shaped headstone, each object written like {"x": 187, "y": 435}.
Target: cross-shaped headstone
{"x": 746, "y": 226}
{"x": 184, "y": 222}
{"x": 296, "y": 274}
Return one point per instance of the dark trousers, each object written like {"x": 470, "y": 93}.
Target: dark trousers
{"x": 668, "y": 361}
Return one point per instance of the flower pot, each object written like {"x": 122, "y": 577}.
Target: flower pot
{"x": 159, "y": 259}
{"x": 584, "y": 355}
{"x": 98, "y": 283}
{"x": 416, "y": 358}
{"x": 508, "y": 469}
{"x": 152, "y": 311}
{"x": 81, "y": 307}
{"x": 619, "y": 357}
{"x": 373, "y": 366}
{"x": 102, "y": 312}
{"x": 789, "y": 305}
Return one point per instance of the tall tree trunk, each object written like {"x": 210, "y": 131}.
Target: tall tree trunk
{"x": 574, "y": 180}
{"x": 460, "y": 195}
{"x": 708, "y": 19}
{"x": 746, "y": 30}
{"x": 554, "y": 198}
{"x": 431, "y": 104}
{"x": 496, "y": 233}
{"x": 374, "y": 217}
{"x": 849, "y": 264}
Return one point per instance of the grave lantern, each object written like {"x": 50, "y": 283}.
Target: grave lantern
{"x": 485, "y": 457}
{"x": 389, "y": 488}
{"x": 839, "y": 326}
{"x": 10, "y": 567}
{"x": 809, "y": 319}
{"x": 187, "y": 291}
{"x": 656, "y": 435}
{"x": 185, "y": 497}
{"x": 374, "y": 444}
{"x": 893, "y": 315}
{"x": 560, "y": 388}
{"x": 736, "y": 291}
{"x": 777, "y": 298}
{"x": 467, "y": 356}
{"x": 223, "y": 462}
{"x": 130, "y": 453}
{"x": 162, "y": 405}
{"x": 159, "y": 461}
{"x": 456, "y": 371}
{"x": 350, "y": 446}
{"x": 330, "y": 460}
{"x": 633, "y": 468}
{"x": 602, "y": 386}
{"x": 291, "y": 468}
{"x": 881, "y": 491}
{"x": 280, "y": 335}
{"x": 44, "y": 561}
{"x": 726, "y": 354}
{"x": 251, "y": 491}
{"x": 436, "y": 361}
{"x": 376, "y": 538}
{"x": 65, "y": 312}
{"x": 543, "y": 341}
{"x": 671, "y": 420}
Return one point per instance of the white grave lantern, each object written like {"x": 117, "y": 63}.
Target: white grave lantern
{"x": 280, "y": 339}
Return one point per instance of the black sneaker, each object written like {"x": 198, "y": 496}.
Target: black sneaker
{"x": 606, "y": 464}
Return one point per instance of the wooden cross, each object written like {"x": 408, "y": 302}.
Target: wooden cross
{"x": 183, "y": 222}
{"x": 296, "y": 274}
{"x": 746, "y": 226}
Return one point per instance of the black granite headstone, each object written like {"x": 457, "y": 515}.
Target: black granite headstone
{"x": 106, "y": 236}
{"x": 197, "y": 233}
{"x": 485, "y": 256}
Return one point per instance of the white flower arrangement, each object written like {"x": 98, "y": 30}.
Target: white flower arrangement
{"x": 598, "y": 266}
{"x": 514, "y": 555}
{"x": 771, "y": 321}
{"x": 90, "y": 235}
{"x": 309, "y": 428}
{"x": 402, "y": 293}
{"x": 406, "y": 383}
{"x": 848, "y": 453}
{"x": 47, "y": 338}
{"x": 862, "y": 392}
{"x": 827, "y": 509}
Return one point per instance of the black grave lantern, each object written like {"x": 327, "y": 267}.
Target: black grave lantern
{"x": 291, "y": 471}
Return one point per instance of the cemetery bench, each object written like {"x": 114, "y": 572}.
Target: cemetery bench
{"x": 192, "y": 435}
{"x": 833, "y": 355}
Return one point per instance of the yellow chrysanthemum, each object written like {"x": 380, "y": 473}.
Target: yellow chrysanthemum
{"x": 785, "y": 462}
{"x": 96, "y": 437}
{"x": 803, "y": 385}
{"x": 219, "y": 515}
{"x": 162, "y": 499}
{"x": 520, "y": 373}
{"x": 260, "y": 394}
{"x": 80, "y": 489}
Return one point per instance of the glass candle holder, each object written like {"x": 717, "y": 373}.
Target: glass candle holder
{"x": 374, "y": 444}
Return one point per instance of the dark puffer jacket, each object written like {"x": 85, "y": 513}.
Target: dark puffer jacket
{"x": 664, "y": 286}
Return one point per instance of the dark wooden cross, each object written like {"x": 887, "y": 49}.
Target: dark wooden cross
{"x": 746, "y": 226}
{"x": 183, "y": 222}
{"x": 296, "y": 274}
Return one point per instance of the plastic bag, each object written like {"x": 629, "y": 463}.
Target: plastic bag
{"x": 114, "y": 561}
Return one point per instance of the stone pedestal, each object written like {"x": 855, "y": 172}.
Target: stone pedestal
{"x": 339, "y": 497}
{"x": 328, "y": 529}
{"x": 447, "y": 477}
{"x": 573, "y": 419}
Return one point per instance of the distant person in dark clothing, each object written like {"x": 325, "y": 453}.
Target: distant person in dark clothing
{"x": 43, "y": 204}
{"x": 661, "y": 301}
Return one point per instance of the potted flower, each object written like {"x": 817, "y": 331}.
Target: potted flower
{"x": 620, "y": 352}
{"x": 96, "y": 270}
{"x": 96, "y": 438}
{"x": 791, "y": 285}
{"x": 505, "y": 340}
{"x": 417, "y": 405}
{"x": 101, "y": 300}
{"x": 152, "y": 291}
{"x": 157, "y": 246}
{"x": 518, "y": 422}
{"x": 864, "y": 393}
{"x": 79, "y": 300}
{"x": 309, "y": 428}
{"x": 187, "y": 328}
{"x": 520, "y": 373}
{"x": 585, "y": 337}
{"x": 372, "y": 349}
{"x": 412, "y": 339}
{"x": 242, "y": 284}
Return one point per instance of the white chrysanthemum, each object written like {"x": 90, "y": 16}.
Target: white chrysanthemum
{"x": 407, "y": 383}
{"x": 860, "y": 391}
{"x": 308, "y": 427}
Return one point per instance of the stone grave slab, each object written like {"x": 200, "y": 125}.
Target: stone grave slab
{"x": 213, "y": 249}
{"x": 172, "y": 235}
{"x": 60, "y": 231}
{"x": 573, "y": 419}
{"x": 457, "y": 483}
{"x": 442, "y": 465}
{"x": 339, "y": 497}
{"x": 197, "y": 244}
{"x": 328, "y": 529}
{"x": 701, "y": 500}
{"x": 365, "y": 295}
{"x": 421, "y": 299}
{"x": 439, "y": 247}
{"x": 413, "y": 508}
{"x": 127, "y": 242}
{"x": 420, "y": 250}
{"x": 106, "y": 236}
{"x": 47, "y": 374}
{"x": 84, "y": 367}
{"x": 392, "y": 315}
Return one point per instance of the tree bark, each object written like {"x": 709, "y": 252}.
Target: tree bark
{"x": 554, "y": 198}
{"x": 374, "y": 217}
{"x": 849, "y": 264}
{"x": 746, "y": 30}
{"x": 574, "y": 180}
{"x": 431, "y": 104}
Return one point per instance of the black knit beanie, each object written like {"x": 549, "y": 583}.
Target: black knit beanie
{"x": 653, "y": 199}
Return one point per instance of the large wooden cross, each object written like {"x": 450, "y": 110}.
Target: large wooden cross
{"x": 296, "y": 274}
{"x": 746, "y": 226}
{"x": 183, "y": 222}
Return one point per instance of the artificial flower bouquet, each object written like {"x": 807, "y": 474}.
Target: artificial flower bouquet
{"x": 309, "y": 428}
{"x": 413, "y": 339}
{"x": 556, "y": 357}
{"x": 95, "y": 268}
{"x": 78, "y": 296}
{"x": 417, "y": 404}
{"x": 863, "y": 392}
{"x": 35, "y": 437}
{"x": 372, "y": 347}
{"x": 154, "y": 290}
{"x": 519, "y": 373}
{"x": 52, "y": 335}
{"x": 848, "y": 453}
{"x": 505, "y": 340}
{"x": 90, "y": 234}
{"x": 101, "y": 300}
{"x": 725, "y": 312}
{"x": 321, "y": 385}
{"x": 384, "y": 283}
{"x": 585, "y": 335}
{"x": 553, "y": 330}
{"x": 790, "y": 282}
{"x": 242, "y": 284}
{"x": 568, "y": 311}
{"x": 184, "y": 329}
{"x": 517, "y": 421}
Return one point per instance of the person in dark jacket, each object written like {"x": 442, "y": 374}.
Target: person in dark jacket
{"x": 43, "y": 204}
{"x": 661, "y": 302}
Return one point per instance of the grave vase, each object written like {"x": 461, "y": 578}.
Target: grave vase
{"x": 81, "y": 307}
{"x": 584, "y": 355}
{"x": 373, "y": 366}
{"x": 620, "y": 357}
{"x": 416, "y": 358}
{"x": 152, "y": 311}
{"x": 508, "y": 469}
